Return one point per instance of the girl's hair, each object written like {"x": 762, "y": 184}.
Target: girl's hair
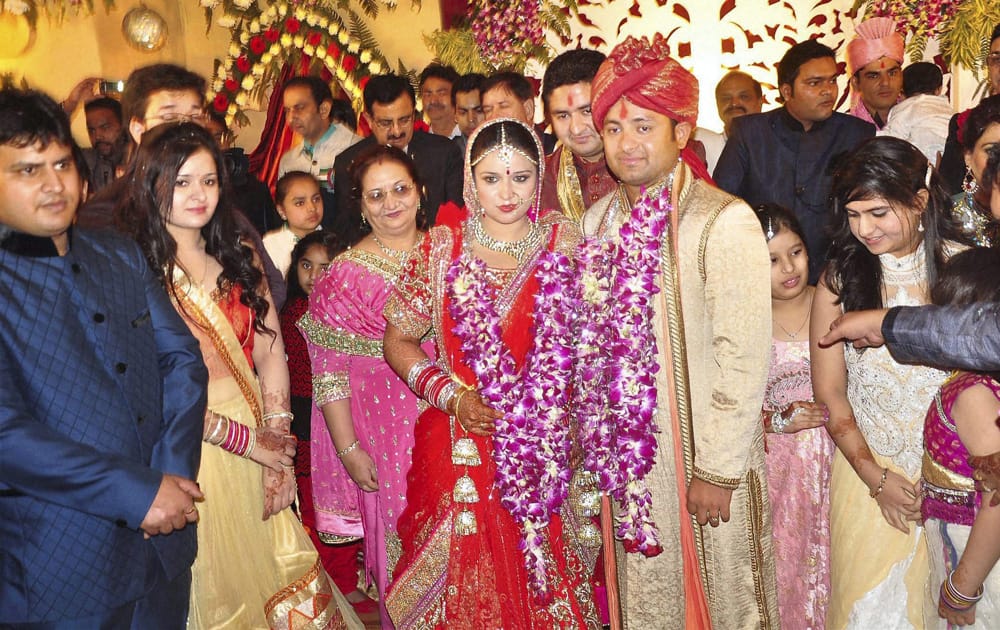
{"x": 327, "y": 240}
{"x": 285, "y": 182}
{"x": 143, "y": 212}
{"x": 362, "y": 163}
{"x": 968, "y": 277}
{"x": 991, "y": 174}
{"x": 775, "y": 218}
{"x": 896, "y": 171}
{"x": 975, "y": 124}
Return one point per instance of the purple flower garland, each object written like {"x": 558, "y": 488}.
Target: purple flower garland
{"x": 617, "y": 353}
{"x": 531, "y": 444}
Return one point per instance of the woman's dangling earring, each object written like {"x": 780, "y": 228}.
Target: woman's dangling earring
{"x": 920, "y": 224}
{"x": 969, "y": 185}
{"x": 364, "y": 221}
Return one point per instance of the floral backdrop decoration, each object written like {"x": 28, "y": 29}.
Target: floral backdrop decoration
{"x": 504, "y": 34}
{"x": 264, "y": 38}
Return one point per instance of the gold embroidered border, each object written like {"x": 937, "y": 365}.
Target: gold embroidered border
{"x": 339, "y": 340}
{"x": 312, "y": 594}
{"x": 755, "y": 514}
{"x": 729, "y": 483}
{"x": 936, "y": 474}
{"x": 332, "y": 539}
{"x": 330, "y": 387}
{"x": 418, "y": 594}
{"x": 388, "y": 269}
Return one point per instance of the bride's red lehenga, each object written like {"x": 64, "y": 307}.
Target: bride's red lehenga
{"x": 444, "y": 579}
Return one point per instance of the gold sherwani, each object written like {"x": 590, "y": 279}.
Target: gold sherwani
{"x": 724, "y": 339}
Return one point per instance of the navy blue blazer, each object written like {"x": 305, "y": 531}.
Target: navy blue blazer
{"x": 770, "y": 158}
{"x": 89, "y": 346}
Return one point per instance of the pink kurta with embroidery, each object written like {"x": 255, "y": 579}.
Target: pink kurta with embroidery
{"x": 343, "y": 329}
{"x": 798, "y": 480}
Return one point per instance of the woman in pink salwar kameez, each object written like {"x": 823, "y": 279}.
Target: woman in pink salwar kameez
{"x": 362, "y": 422}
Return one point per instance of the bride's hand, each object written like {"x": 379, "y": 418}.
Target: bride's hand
{"x": 899, "y": 501}
{"x": 362, "y": 469}
{"x": 476, "y": 417}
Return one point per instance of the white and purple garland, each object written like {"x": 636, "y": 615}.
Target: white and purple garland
{"x": 531, "y": 444}
{"x": 617, "y": 353}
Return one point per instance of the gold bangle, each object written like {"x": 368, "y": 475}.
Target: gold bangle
{"x": 881, "y": 484}
{"x": 348, "y": 449}
{"x": 457, "y": 398}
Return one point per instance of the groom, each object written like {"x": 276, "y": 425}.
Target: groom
{"x": 712, "y": 325}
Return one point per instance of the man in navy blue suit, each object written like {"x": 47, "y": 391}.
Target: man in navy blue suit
{"x": 102, "y": 399}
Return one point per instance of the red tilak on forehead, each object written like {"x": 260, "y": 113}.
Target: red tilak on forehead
{"x": 881, "y": 63}
{"x": 570, "y": 100}
{"x": 622, "y": 110}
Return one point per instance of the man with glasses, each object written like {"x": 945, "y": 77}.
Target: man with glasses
{"x": 153, "y": 95}
{"x": 390, "y": 109}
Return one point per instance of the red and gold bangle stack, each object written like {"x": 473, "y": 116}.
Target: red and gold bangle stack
{"x": 431, "y": 383}
{"x": 237, "y": 438}
{"x": 952, "y": 598}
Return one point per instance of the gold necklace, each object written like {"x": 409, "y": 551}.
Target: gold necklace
{"x": 518, "y": 250}
{"x": 393, "y": 254}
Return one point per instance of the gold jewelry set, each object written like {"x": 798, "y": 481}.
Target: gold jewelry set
{"x": 519, "y": 250}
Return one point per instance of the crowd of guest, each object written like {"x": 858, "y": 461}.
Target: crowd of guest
{"x": 462, "y": 372}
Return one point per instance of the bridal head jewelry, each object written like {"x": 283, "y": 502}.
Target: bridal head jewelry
{"x": 505, "y": 151}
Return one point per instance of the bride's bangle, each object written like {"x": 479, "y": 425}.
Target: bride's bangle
{"x": 881, "y": 484}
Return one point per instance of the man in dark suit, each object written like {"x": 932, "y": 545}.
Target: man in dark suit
{"x": 785, "y": 156}
{"x": 390, "y": 108}
{"x": 102, "y": 401}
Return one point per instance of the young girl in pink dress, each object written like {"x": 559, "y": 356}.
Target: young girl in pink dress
{"x": 960, "y": 520}
{"x": 799, "y": 450}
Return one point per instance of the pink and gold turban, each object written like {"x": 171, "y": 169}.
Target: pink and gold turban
{"x": 643, "y": 72}
{"x": 876, "y": 38}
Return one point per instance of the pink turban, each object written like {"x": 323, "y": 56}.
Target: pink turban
{"x": 643, "y": 72}
{"x": 876, "y": 38}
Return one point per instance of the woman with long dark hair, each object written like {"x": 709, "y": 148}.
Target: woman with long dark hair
{"x": 893, "y": 230}
{"x": 255, "y": 562}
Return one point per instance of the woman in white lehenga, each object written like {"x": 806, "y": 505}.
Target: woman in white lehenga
{"x": 893, "y": 230}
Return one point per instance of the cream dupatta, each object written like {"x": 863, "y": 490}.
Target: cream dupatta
{"x": 249, "y": 573}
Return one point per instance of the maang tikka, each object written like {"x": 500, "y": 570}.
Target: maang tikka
{"x": 504, "y": 150}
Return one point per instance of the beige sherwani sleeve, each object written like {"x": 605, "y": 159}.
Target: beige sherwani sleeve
{"x": 738, "y": 314}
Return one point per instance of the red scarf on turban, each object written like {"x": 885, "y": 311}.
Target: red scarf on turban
{"x": 643, "y": 72}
